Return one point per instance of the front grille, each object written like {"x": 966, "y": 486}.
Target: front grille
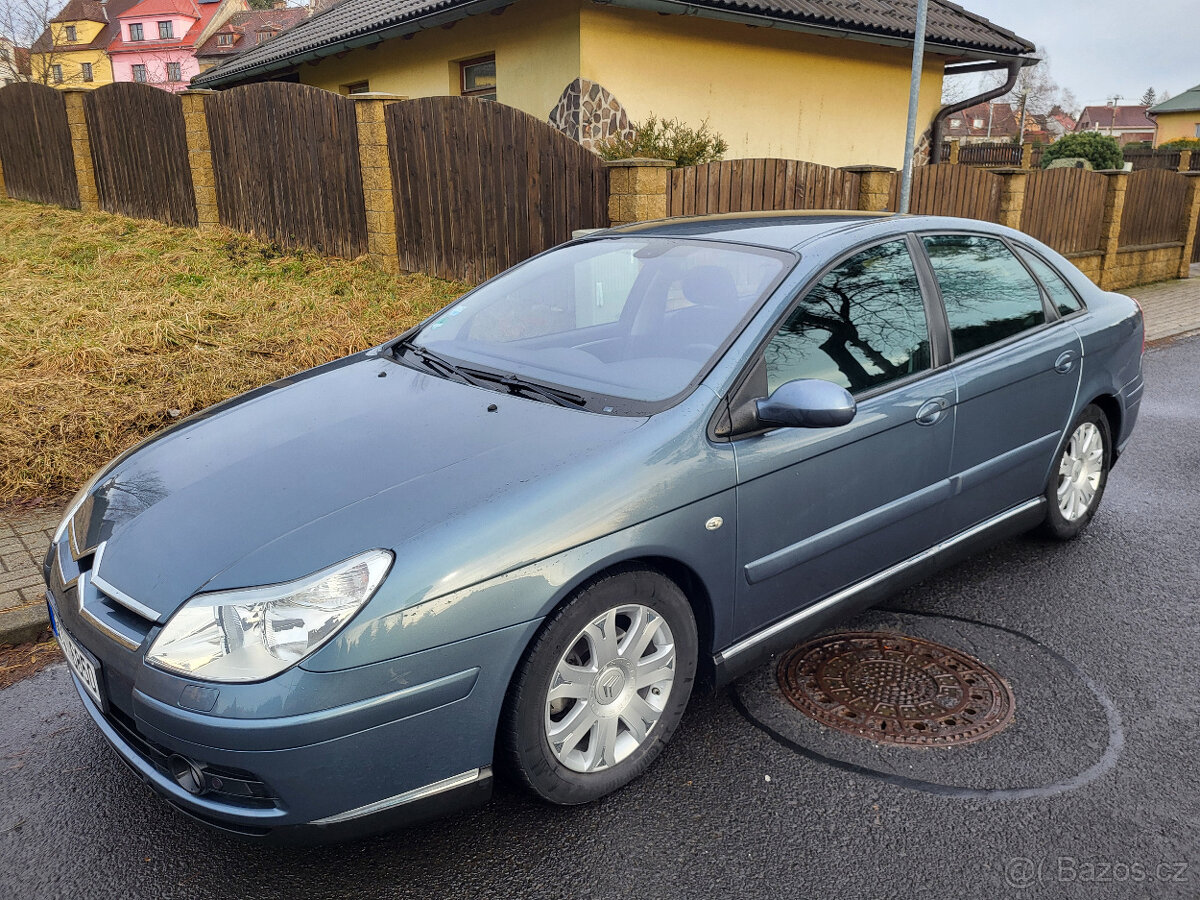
{"x": 231, "y": 785}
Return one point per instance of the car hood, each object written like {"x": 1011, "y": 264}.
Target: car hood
{"x": 313, "y": 469}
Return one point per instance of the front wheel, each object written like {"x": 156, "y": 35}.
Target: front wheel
{"x": 1080, "y": 476}
{"x": 602, "y": 688}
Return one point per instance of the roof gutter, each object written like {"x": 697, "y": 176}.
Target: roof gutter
{"x": 216, "y": 78}
{"x": 1014, "y": 68}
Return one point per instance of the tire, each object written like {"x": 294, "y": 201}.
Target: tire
{"x": 596, "y": 735}
{"x": 1079, "y": 477}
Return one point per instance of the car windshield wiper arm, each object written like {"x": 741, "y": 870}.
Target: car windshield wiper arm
{"x": 433, "y": 360}
{"x": 515, "y": 385}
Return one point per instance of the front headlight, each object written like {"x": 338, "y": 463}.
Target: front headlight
{"x": 254, "y": 633}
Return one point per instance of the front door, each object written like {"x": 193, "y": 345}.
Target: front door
{"x": 819, "y": 509}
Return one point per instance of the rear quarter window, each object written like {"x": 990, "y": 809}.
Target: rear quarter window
{"x": 1060, "y": 293}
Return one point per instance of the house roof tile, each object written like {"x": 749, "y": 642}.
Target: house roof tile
{"x": 1188, "y": 101}
{"x": 352, "y": 23}
{"x": 250, "y": 22}
{"x": 1114, "y": 117}
{"x": 111, "y": 9}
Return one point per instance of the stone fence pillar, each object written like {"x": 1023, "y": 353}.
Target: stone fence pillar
{"x": 637, "y": 189}
{"x": 955, "y": 150}
{"x": 1012, "y": 195}
{"x": 875, "y": 186}
{"x": 379, "y": 199}
{"x": 204, "y": 184}
{"x": 1185, "y": 160}
{"x": 81, "y": 147}
{"x": 1110, "y": 229}
{"x": 1191, "y": 209}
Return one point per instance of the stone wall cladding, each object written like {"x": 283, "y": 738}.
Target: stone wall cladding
{"x": 589, "y": 113}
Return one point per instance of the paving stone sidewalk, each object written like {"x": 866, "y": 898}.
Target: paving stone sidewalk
{"x": 1172, "y": 309}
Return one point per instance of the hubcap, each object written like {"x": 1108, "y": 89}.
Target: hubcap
{"x": 609, "y": 689}
{"x": 1079, "y": 472}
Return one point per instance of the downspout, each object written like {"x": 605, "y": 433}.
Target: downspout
{"x": 939, "y": 121}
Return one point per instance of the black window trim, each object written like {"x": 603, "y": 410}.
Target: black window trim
{"x": 934, "y": 323}
{"x": 1052, "y": 317}
{"x": 1020, "y": 245}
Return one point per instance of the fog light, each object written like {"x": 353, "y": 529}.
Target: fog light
{"x": 186, "y": 774}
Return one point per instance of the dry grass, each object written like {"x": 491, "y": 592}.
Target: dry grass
{"x": 110, "y": 328}
{"x": 22, "y": 660}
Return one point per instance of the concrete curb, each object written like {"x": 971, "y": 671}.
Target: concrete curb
{"x": 19, "y": 626}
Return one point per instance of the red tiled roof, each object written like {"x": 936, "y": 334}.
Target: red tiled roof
{"x": 1114, "y": 117}
{"x": 82, "y": 11}
{"x": 162, "y": 8}
{"x": 201, "y": 15}
{"x": 244, "y": 25}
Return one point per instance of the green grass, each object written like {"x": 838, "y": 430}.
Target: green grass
{"x": 111, "y": 328}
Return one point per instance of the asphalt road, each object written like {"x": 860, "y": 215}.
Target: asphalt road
{"x": 1091, "y": 792}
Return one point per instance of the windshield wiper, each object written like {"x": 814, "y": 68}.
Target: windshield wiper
{"x": 515, "y": 385}
{"x": 433, "y": 361}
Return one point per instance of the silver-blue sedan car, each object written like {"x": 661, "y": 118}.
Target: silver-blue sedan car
{"x": 517, "y": 535}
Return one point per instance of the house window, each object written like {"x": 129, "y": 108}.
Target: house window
{"x": 358, "y": 87}
{"x": 978, "y": 123}
{"x": 139, "y": 73}
{"x": 479, "y": 78}
{"x": 956, "y": 123}
{"x": 1198, "y": 129}
{"x": 262, "y": 36}
{"x": 135, "y": 31}
{"x": 165, "y": 30}
{"x": 56, "y": 73}
{"x": 72, "y": 35}
{"x": 86, "y": 71}
{"x": 224, "y": 40}
{"x": 173, "y": 72}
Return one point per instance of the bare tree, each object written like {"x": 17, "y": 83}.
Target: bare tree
{"x": 28, "y": 23}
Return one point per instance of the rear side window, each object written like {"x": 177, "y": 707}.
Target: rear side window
{"x": 862, "y": 326}
{"x": 989, "y": 295}
{"x": 1061, "y": 295}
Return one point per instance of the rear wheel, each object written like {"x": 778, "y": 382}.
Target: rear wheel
{"x": 1079, "y": 477}
{"x": 602, "y": 688}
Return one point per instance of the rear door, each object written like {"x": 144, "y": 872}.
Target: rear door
{"x": 1016, "y": 367}
{"x": 819, "y": 509}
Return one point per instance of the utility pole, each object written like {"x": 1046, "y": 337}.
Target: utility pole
{"x": 1021, "y": 124}
{"x": 991, "y": 113}
{"x": 914, "y": 95}
{"x": 1112, "y": 124}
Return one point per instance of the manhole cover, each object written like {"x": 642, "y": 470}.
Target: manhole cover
{"x": 895, "y": 689}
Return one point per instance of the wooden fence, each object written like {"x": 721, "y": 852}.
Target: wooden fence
{"x": 480, "y": 186}
{"x": 994, "y": 155}
{"x": 1154, "y": 204}
{"x": 1065, "y": 209}
{"x": 949, "y": 190}
{"x": 139, "y": 153}
{"x": 35, "y": 145}
{"x": 1145, "y": 158}
{"x": 285, "y": 161}
{"x": 746, "y": 185}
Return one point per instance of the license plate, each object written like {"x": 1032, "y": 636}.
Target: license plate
{"x": 85, "y": 670}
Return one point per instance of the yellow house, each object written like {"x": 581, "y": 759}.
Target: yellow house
{"x": 771, "y": 79}
{"x": 1178, "y": 117}
{"x": 71, "y": 52}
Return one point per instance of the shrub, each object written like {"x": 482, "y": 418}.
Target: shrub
{"x": 1181, "y": 144}
{"x": 1102, "y": 151}
{"x": 658, "y": 138}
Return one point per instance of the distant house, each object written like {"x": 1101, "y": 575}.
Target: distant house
{"x": 1128, "y": 124}
{"x": 156, "y": 40}
{"x": 983, "y": 122}
{"x": 826, "y": 82}
{"x": 14, "y": 62}
{"x": 245, "y": 30}
{"x": 71, "y": 51}
{"x": 1178, "y": 117}
{"x": 1059, "y": 123}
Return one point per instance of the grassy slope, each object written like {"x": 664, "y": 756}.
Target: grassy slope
{"x": 111, "y": 327}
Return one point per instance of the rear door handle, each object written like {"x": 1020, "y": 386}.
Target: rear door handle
{"x": 931, "y": 411}
{"x": 1065, "y": 362}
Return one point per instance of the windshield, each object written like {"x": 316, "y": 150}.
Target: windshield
{"x": 635, "y": 318}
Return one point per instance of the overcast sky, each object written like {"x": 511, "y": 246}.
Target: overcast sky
{"x": 1098, "y": 48}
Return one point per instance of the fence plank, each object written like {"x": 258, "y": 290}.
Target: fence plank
{"x": 35, "y": 145}
{"x": 1064, "y": 208}
{"x": 285, "y": 159}
{"x": 1154, "y": 208}
{"x": 746, "y": 185}
{"x": 491, "y": 186}
{"x": 139, "y": 152}
{"x": 950, "y": 190}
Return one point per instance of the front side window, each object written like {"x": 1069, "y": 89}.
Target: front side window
{"x": 86, "y": 71}
{"x": 139, "y": 73}
{"x": 173, "y": 72}
{"x": 56, "y": 74}
{"x": 862, "y": 326}
{"x": 1061, "y": 296}
{"x": 135, "y": 31}
{"x": 479, "y": 78}
{"x": 166, "y": 30}
{"x": 989, "y": 296}
{"x": 632, "y": 318}
{"x": 72, "y": 34}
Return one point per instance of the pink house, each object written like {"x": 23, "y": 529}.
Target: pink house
{"x": 157, "y": 40}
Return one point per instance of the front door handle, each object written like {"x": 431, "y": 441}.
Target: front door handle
{"x": 931, "y": 411}
{"x": 1065, "y": 362}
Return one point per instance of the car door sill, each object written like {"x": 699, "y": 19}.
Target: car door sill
{"x": 749, "y": 651}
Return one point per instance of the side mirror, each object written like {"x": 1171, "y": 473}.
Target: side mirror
{"x": 807, "y": 403}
